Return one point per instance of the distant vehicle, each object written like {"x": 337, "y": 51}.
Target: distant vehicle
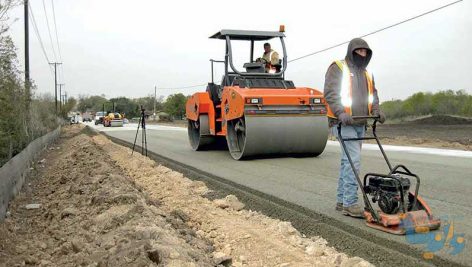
{"x": 86, "y": 117}
{"x": 113, "y": 120}
{"x": 164, "y": 117}
{"x": 99, "y": 117}
{"x": 75, "y": 119}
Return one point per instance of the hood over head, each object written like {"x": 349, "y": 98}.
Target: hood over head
{"x": 354, "y": 58}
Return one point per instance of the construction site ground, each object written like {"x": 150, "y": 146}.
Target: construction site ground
{"x": 302, "y": 190}
{"x": 90, "y": 202}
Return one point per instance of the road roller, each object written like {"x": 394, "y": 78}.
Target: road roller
{"x": 255, "y": 111}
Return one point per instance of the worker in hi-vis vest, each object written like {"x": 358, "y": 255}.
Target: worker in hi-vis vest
{"x": 350, "y": 91}
{"x": 270, "y": 58}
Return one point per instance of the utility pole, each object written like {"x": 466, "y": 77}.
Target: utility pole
{"x": 60, "y": 95}
{"x": 27, "y": 67}
{"x": 155, "y": 99}
{"x": 55, "y": 82}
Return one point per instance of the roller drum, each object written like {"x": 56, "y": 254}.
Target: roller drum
{"x": 116, "y": 123}
{"x": 199, "y": 133}
{"x": 272, "y": 135}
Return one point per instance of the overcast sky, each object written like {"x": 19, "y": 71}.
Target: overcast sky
{"x": 124, "y": 48}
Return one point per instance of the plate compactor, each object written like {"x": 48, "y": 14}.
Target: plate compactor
{"x": 399, "y": 210}
{"x": 257, "y": 111}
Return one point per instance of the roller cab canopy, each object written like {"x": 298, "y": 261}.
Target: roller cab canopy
{"x": 246, "y": 35}
{"x": 253, "y": 68}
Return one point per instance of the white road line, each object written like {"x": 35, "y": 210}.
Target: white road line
{"x": 415, "y": 150}
{"x": 134, "y": 127}
{"x": 407, "y": 149}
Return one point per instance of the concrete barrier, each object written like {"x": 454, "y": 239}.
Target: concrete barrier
{"x": 14, "y": 172}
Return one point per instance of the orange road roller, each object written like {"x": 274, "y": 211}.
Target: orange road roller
{"x": 257, "y": 110}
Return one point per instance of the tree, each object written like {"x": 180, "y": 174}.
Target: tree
{"x": 123, "y": 105}
{"x": 91, "y": 103}
{"x": 175, "y": 105}
{"x": 22, "y": 117}
{"x": 68, "y": 106}
{"x": 148, "y": 103}
{"x": 14, "y": 131}
{"x": 447, "y": 102}
{"x": 5, "y": 6}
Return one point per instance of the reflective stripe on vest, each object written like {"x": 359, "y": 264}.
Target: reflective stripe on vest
{"x": 346, "y": 89}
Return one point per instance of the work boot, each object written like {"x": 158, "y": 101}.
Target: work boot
{"x": 354, "y": 211}
{"x": 339, "y": 206}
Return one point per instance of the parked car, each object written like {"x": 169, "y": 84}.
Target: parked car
{"x": 99, "y": 117}
{"x": 86, "y": 117}
{"x": 75, "y": 119}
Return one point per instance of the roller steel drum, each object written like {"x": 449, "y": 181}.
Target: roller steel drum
{"x": 199, "y": 133}
{"x": 273, "y": 135}
{"x": 116, "y": 123}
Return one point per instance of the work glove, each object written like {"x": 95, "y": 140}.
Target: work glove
{"x": 381, "y": 115}
{"x": 345, "y": 119}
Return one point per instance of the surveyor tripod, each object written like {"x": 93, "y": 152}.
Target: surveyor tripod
{"x": 142, "y": 124}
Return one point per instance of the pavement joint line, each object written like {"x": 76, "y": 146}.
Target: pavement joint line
{"x": 414, "y": 150}
{"x": 247, "y": 195}
{"x": 365, "y": 146}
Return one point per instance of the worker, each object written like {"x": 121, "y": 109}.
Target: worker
{"x": 350, "y": 91}
{"x": 270, "y": 58}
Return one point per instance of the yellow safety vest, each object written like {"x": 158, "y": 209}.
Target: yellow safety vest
{"x": 346, "y": 89}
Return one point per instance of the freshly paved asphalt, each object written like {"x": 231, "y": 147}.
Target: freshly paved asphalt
{"x": 311, "y": 182}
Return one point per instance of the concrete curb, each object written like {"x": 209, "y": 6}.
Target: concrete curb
{"x": 14, "y": 172}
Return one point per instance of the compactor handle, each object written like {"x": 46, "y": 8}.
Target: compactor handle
{"x": 376, "y": 118}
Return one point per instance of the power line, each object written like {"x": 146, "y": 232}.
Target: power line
{"x": 57, "y": 41}
{"x": 49, "y": 31}
{"x": 182, "y": 87}
{"x": 346, "y": 42}
{"x": 377, "y": 31}
{"x": 55, "y": 29}
{"x": 35, "y": 27}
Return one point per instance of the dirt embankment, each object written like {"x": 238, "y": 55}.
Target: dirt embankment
{"x": 100, "y": 206}
{"x": 427, "y": 135}
{"x": 439, "y": 131}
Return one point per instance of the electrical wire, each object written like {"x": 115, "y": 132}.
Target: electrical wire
{"x": 61, "y": 73}
{"x": 182, "y": 87}
{"x": 35, "y": 27}
{"x": 346, "y": 42}
{"x": 377, "y": 31}
{"x": 49, "y": 31}
{"x": 55, "y": 29}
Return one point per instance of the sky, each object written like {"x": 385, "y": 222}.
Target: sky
{"x": 126, "y": 48}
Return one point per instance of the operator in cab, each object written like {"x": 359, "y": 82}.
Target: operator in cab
{"x": 270, "y": 58}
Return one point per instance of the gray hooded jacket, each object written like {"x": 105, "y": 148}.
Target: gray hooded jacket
{"x": 360, "y": 90}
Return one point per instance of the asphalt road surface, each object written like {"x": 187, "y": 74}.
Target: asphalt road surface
{"x": 311, "y": 182}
